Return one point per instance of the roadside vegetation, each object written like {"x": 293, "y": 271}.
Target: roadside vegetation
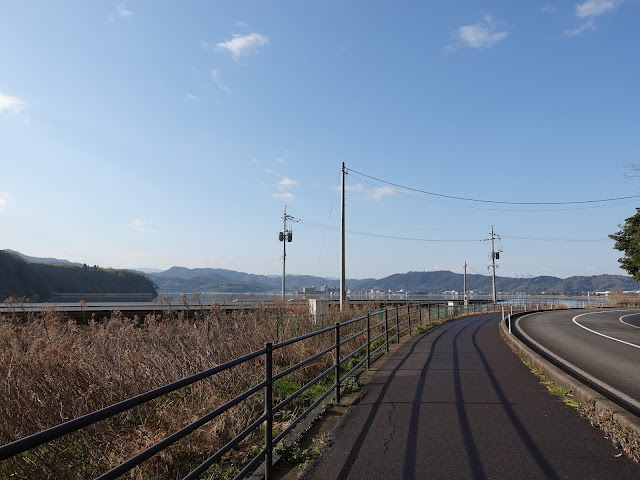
{"x": 53, "y": 369}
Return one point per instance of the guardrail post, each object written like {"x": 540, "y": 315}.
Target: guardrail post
{"x": 397, "y": 326}
{"x": 268, "y": 411}
{"x": 337, "y": 367}
{"x": 409, "y": 318}
{"x": 386, "y": 329}
{"x": 368, "y": 341}
{"x": 420, "y": 314}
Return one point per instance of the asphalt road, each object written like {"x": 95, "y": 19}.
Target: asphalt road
{"x": 457, "y": 403}
{"x": 601, "y": 345}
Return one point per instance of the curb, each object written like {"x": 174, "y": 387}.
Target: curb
{"x": 583, "y": 394}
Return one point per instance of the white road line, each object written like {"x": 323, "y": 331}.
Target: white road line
{"x": 579, "y": 371}
{"x": 601, "y": 334}
{"x": 630, "y": 315}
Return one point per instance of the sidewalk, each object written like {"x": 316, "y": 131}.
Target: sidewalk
{"x": 457, "y": 403}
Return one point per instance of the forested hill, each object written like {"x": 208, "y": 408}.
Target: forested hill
{"x": 437, "y": 282}
{"x": 178, "y": 279}
{"x": 42, "y": 282}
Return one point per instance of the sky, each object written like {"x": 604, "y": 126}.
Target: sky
{"x": 146, "y": 134}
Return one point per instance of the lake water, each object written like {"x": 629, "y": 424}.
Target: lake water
{"x": 226, "y": 298}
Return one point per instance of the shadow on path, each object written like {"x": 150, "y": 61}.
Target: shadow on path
{"x": 353, "y": 454}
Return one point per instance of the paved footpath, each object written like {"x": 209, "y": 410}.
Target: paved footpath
{"x": 457, "y": 403}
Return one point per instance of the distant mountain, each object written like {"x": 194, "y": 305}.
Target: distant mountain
{"x": 437, "y": 282}
{"x": 48, "y": 261}
{"x": 187, "y": 280}
{"x": 180, "y": 279}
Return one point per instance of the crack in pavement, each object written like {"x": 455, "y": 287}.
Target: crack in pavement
{"x": 393, "y": 427}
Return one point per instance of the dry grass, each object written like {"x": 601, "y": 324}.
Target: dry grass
{"x": 53, "y": 370}
{"x": 624, "y": 300}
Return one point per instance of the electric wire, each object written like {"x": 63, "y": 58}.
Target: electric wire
{"x": 380, "y": 235}
{"x": 396, "y": 237}
{"x": 502, "y": 202}
{"x": 493, "y": 209}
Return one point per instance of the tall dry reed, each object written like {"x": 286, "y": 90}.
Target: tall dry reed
{"x": 53, "y": 370}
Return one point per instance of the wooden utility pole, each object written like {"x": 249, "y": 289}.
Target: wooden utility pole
{"x": 343, "y": 284}
{"x": 285, "y": 236}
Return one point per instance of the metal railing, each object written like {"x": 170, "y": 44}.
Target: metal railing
{"x": 374, "y": 332}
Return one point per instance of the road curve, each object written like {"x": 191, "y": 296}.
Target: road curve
{"x": 456, "y": 402}
{"x": 601, "y": 346}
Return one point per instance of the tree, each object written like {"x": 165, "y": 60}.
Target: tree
{"x": 628, "y": 241}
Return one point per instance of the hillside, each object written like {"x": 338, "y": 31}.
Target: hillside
{"x": 437, "y": 282}
{"x": 179, "y": 279}
{"x": 56, "y": 281}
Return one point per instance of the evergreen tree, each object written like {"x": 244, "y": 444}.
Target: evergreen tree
{"x": 628, "y": 241}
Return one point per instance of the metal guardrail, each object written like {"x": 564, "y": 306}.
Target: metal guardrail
{"x": 394, "y": 322}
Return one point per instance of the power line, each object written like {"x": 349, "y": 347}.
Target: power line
{"x": 395, "y": 237}
{"x": 493, "y": 209}
{"x": 379, "y": 235}
{"x": 542, "y": 239}
{"x": 468, "y": 199}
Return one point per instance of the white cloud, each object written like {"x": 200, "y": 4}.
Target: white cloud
{"x": 241, "y": 45}
{"x": 10, "y": 104}
{"x": 215, "y": 74}
{"x": 590, "y": 10}
{"x": 286, "y": 183}
{"x": 577, "y": 31}
{"x": 3, "y": 200}
{"x": 594, "y": 8}
{"x": 123, "y": 11}
{"x": 192, "y": 98}
{"x": 283, "y": 196}
{"x": 140, "y": 225}
{"x": 374, "y": 194}
{"x": 358, "y": 187}
{"x": 483, "y": 34}
{"x": 280, "y": 160}
{"x": 377, "y": 193}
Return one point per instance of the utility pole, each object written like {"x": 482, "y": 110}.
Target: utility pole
{"x": 285, "y": 236}
{"x": 343, "y": 284}
{"x": 494, "y": 256}
{"x": 466, "y": 302}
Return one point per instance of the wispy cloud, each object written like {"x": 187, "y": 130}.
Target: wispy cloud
{"x": 588, "y": 12}
{"x": 242, "y": 45}
{"x": 287, "y": 183}
{"x": 283, "y": 196}
{"x": 594, "y": 8}
{"x": 374, "y": 194}
{"x": 215, "y": 74}
{"x": 123, "y": 11}
{"x": 140, "y": 225}
{"x": 10, "y": 104}
{"x": 4, "y": 196}
{"x": 484, "y": 34}
{"x": 572, "y": 32}
{"x": 192, "y": 98}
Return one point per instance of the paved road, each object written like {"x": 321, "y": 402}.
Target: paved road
{"x": 456, "y": 403}
{"x": 602, "y": 345}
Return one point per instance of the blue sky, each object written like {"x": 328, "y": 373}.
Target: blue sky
{"x": 152, "y": 134}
